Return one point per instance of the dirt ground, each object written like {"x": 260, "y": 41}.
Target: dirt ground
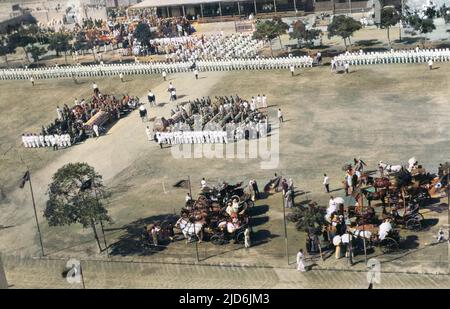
{"x": 388, "y": 113}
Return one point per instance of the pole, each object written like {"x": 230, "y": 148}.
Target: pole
{"x": 275, "y": 5}
{"x": 190, "y": 187}
{"x": 295, "y": 6}
{"x": 195, "y": 232}
{"x": 82, "y": 276}
{"x": 285, "y": 230}
{"x": 3, "y": 281}
{"x": 256, "y": 11}
{"x": 104, "y": 237}
{"x": 364, "y": 244}
{"x": 35, "y": 213}
{"x": 101, "y": 222}
{"x": 350, "y": 6}
{"x": 448, "y": 199}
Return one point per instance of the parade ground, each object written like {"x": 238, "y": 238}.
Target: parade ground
{"x": 380, "y": 112}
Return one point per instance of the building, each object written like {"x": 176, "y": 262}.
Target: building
{"x": 218, "y": 8}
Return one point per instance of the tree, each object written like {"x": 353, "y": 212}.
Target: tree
{"x": 344, "y": 27}
{"x": 282, "y": 27}
{"x": 422, "y": 23}
{"x": 301, "y": 34}
{"x": 60, "y": 42}
{"x": 36, "y": 51}
{"x": 268, "y": 30}
{"x": 389, "y": 17}
{"x": 21, "y": 39}
{"x": 143, "y": 34}
{"x": 6, "y": 47}
{"x": 75, "y": 196}
{"x": 308, "y": 219}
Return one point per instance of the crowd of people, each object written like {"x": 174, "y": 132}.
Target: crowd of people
{"x": 227, "y": 118}
{"x": 213, "y": 47}
{"x": 85, "y": 118}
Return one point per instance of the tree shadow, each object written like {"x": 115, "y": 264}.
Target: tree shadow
{"x": 135, "y": 242}
{"x": 259, "y": 210}
{"x": 408, "y": 40}
{"x": 368, "y": 43}
{"x": 443, "y": 45}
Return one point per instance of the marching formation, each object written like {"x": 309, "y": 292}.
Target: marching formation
{"x": 394, "y": 56}
{"x": 155, "y": 68}
{"x": 53, "y": 140}
{"x": 191, "y": 137}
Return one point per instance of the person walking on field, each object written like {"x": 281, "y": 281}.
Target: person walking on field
{"x": 326, "y": 183}
{"x": 164, "y": 74}
{"x": 301, "y": 261}
{"x": 292, "y": 69}
{"x": 280, "y": 115}
{"x": 247, "y": 241}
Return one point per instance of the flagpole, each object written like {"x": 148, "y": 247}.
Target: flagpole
{"x": 35, "y": 213}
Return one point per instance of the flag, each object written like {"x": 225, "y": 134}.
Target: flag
{"x": 24, "y": 179}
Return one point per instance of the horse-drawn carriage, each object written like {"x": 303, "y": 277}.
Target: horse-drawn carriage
{"x": 220, "y": 214}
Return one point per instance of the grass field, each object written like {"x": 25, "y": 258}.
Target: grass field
{"x": 388, "y": 113}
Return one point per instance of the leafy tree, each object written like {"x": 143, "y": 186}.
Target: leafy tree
{"x": 308, "y": 219}
{"x": 143, "y": 34}
{"x": 423, "y": 24}
{"x": 301, "y": 34}
{"x": 60, "y": 42}
{"x": 6, "y": 47}
{"x": 282, "y": 27}
{"x": 36, "y": 51}
{"x": 75, "y": 196}
{"x": 21, "y": 39}
{"x": 268, "y": 30}
{"x": 389, "y": 17}
{"x": 344, "y": 27}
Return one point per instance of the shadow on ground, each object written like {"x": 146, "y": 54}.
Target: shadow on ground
{"x": 135, "y": 242}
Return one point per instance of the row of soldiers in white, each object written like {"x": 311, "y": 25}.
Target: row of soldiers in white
{"x": 395, "y": 56}
{"x": 52, "y": 140}
{"x": 155, "y": 68}
{"x": 191, "y": 137}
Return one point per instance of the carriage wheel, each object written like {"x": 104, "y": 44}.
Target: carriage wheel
{"x": 413, "y": 224}
{"x": 389, "y": 245}
{"x": 240, "y": 238}
{"x": 420, "y": 217}
{"x": 216, "y": 240}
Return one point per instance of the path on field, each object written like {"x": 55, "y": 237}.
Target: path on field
{"x": 109, "y": 154}
{"x": 36, "y": 273}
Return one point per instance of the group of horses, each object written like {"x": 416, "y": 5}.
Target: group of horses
{"x": 206, "y": 217}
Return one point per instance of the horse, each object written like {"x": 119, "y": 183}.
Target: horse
{"x": 190, "y": 229}
{"x": 389, "y": 168}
